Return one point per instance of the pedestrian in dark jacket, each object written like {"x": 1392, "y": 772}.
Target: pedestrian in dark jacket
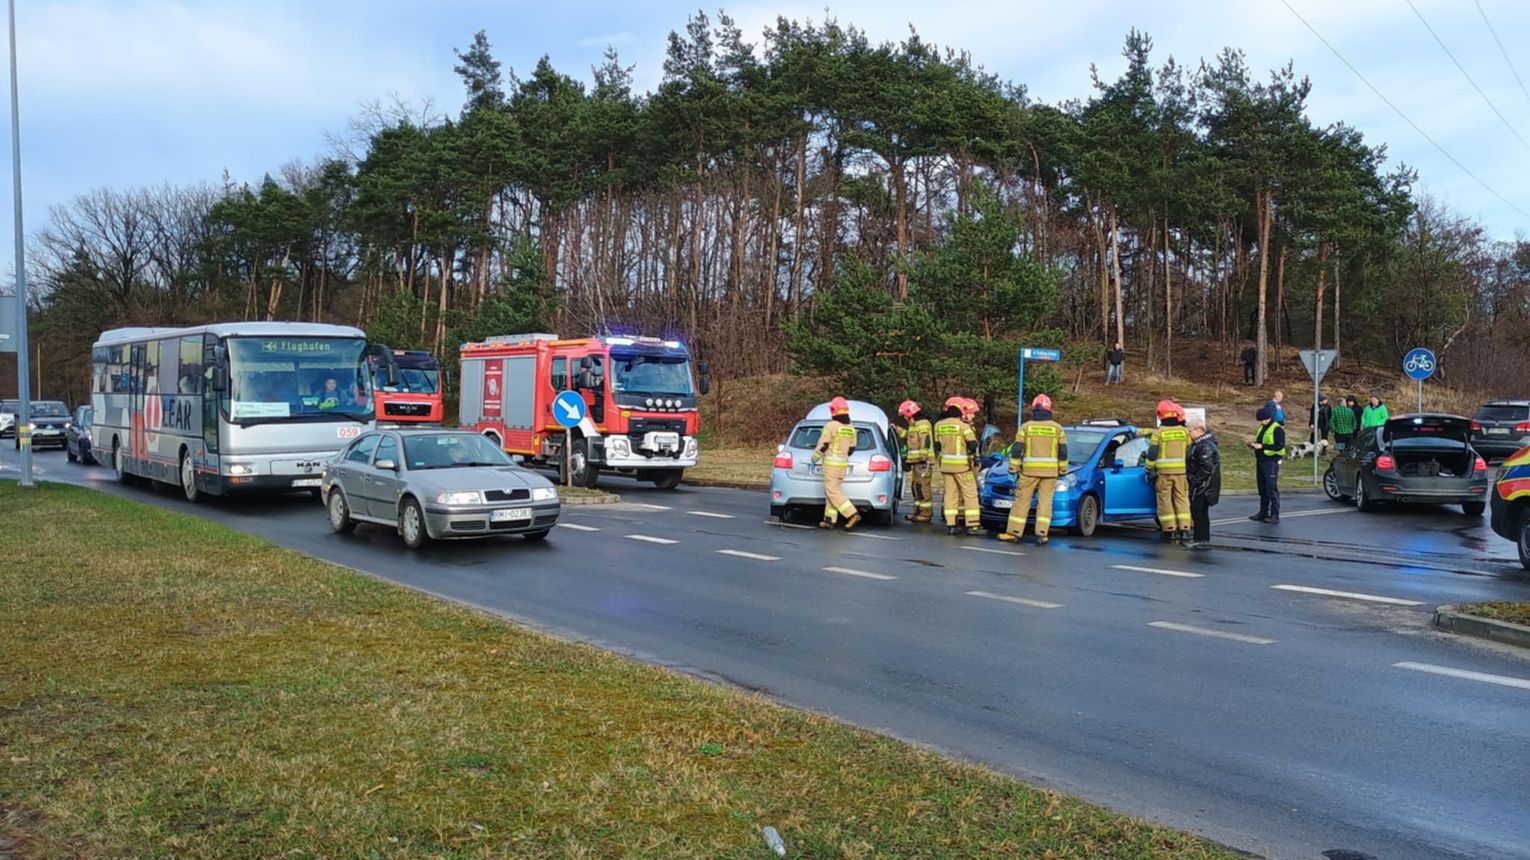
{"x": 1250, "y": 358}
{"x": 1269, "y": 449}
{"x": 1344, "y": 420}
{"x": 1318, "y": 421}
{"x": 1204, "y": 467}
{"x": 1115, "y": 363}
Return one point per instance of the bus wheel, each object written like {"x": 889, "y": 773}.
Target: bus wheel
{"x": 189, "y": 477}
{"x": 667, "y": 479}
{"x": 119, "y": 465}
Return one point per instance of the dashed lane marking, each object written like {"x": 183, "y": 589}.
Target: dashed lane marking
{"x": 1215, "y": 634}
{"x": 1348, "y": 595}
{"x": 648, "y": 507}
{"x": 865, "y": 574}
{"x": 657, "y": 540}
{"x": 872, "y": 536}
{"x": 788, "y": 525}
{"x": 1022, "y": 601}
{"x": 990, "y": 551}
{"x": 1157, "y": 570}
{"x": 577, "y": 527}
{"x": 1291, "y": 516}
{"x": 753, "y": 556}
{"x": 710, "y": 514}
{"x": 1467, "y": 674}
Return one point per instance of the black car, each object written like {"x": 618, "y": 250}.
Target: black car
{"x": 79, "y": 437}
{"x": 1501, "y": 428}
{"x": 49, "y": 417}
{"x": 1424, "y": 459}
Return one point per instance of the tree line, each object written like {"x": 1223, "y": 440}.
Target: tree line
{"x": 887, "y": 213}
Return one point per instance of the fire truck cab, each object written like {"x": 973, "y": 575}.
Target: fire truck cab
{"x": 641, "y": 418}
{"x": 407, "y": 385}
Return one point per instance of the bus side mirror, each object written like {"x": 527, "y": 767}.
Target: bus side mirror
{"x": 219, "y": 381}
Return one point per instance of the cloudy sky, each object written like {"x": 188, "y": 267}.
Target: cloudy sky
{"x": 128, "y": 93}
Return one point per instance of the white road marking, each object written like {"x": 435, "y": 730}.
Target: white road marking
{"x": 874, "y": 537}
{"x": 577, "y": 527}
{"x": 780, "y": 525}
{"x": 1009, "y": 552}
{"x": 1035, "y": 604}
{"x": 738, "y": 553}
{"x": 1500, "y": 680}
{"x": 647, "y": 506}
{"x": 1218, "y": 634}
{"x": 861, "y": 573}
{"x": 710, "y": 514}
{"x": 1291, "y": 516}
{"x": 1158, "y": 570}
{"x": 647, "y": 539}
{"x": 1348, "y": 595}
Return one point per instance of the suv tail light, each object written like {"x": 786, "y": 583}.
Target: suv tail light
{"x": 1476, "y": 425}
{"x": 783, "y": 460}
{"x": 880, "y": 463}
{"x": 1481, "y": 465}
{"x": 1385, "y": 463}
{"x": 1522, "y": 427}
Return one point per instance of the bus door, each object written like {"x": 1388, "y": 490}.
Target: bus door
{"x": 137, "y": 375}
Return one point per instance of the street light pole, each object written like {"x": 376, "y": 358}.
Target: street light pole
{"x": 23, "y": 382}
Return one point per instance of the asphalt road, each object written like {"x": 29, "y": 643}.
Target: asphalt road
{"x": 1206, "y": 691}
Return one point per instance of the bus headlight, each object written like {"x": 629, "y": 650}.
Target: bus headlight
{"x": 240, "y": 469}
{"x": 470, "y": 498}
{"x": 544, "y": 494}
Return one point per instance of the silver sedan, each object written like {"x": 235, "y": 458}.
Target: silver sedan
{"x": 436, "y": 485}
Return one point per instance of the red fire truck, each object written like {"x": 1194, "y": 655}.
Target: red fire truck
{"x": 641, "y": 418}
{"x": 407, "y": 385}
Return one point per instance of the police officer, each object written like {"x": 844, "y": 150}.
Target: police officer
{"x": 956, "y": 446}
{"x": 918, "y": 441}
{"x": 1269, "y": 449}
{"x": 1168, "y": 446}
{"x": 1037, "y": 459}
{"x": 835, "y": 445}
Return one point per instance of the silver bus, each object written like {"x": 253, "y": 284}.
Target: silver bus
{"x": 229, "y": 407}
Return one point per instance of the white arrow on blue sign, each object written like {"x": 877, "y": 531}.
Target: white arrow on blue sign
{"x": 568, "y": 409}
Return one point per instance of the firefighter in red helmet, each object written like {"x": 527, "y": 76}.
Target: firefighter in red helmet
{"x": 1168, "y": 449}
{"x": 1037, "y": 459}
{"x": 956, "y": 446}
{"x": 918, "y": 449}
{"x": 835, "y": 444}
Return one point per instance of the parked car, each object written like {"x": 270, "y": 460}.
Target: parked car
{"x": 436, "y": 485}
{"x": 79, "y": 436}
{"x": 1511, "y": 503}
{"x": 1501, "y": 428}
{"x": 49, "y": 417}
{"x": 1423, "y": 459}
{"x": 874, "y": 480}
{"x": 8, "y": 411}
{"x": 1106, "y": 481}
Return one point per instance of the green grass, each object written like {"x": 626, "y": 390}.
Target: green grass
{"x": 744, "y": 466}
{"x": 171, "y": 688}
{"x": 1517, "y": 613}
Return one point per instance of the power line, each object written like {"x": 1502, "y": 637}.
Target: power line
{"x": 1468, "y": 77}
{"x": 1508, "y": 62}
{"x": 1395, "y": 109}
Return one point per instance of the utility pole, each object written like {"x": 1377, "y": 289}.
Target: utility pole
{"x": 23, "y": 382}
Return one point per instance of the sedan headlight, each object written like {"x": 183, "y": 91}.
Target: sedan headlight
{"x": 1066, "y": 483}
{"x": 544, "y": 494}
{"x": 472, "y": 498}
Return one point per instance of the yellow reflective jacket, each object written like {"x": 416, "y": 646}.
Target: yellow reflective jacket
{"x": 917, "y": 439}
{"x": 1040, "y": 450}
{"x": 1167, "y": 449}
{"x": 955, "y": 444}
{"x": 835, "y": 445}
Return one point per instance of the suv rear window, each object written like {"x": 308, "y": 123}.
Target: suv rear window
{"x": 1494, "y": 412}
{"x": 805, "y": 438}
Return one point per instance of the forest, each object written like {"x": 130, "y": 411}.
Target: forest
{"x": 806, "y": 200}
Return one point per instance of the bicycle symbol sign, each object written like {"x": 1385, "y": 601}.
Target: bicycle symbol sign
{"x": 1419, "y": 364}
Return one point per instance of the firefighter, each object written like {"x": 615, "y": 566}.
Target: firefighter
{"x": 1037, "y": 459}
{"x": 918, "y": 440}
{"x": 956, "y": 446}
{"x": 1168, "y": 447}
{"x": 835, "y": 445}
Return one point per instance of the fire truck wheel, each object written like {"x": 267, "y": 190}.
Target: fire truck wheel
{"x": 667, "y": 479}
{"x": 585, "y": 475}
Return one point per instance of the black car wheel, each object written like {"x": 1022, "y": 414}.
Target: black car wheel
{"x": 1361, "y": 502}
{"x": 1473, "y": 509}
{"x": 1331, "y": 486}
{"x": 1524, "y": 540}
{"x": 1088, "y": 518}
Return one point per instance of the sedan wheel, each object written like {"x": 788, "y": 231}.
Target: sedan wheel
{"x": 1088, "y": 516}
{"x": 340, "y": 513}
{"x": 1473, "y": 509}
{"x": 1361, "y": 502}
{"x": 1331, "y": 486}
{"x": 1524, "y": 541}
{"x": 411, "y": 525}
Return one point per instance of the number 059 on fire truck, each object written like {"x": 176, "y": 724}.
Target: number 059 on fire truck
{"x": 641, "y": 418}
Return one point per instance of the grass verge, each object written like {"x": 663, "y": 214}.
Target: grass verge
{"x": 1516, "y": 613}
{"x": 745, "y": 466}
{"x": 172, "y": 688}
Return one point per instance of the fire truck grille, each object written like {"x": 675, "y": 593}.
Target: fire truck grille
{"x": 507, "y": 495}
{"x": 639, "y": 426}
{"x": 412, "y": 409}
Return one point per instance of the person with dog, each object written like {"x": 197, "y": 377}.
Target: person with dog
{"x": 1269, "y": 449}
{"x": 1344, "y": 421}
{"x": 1204, "y": 468}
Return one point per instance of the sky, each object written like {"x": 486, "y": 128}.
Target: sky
{"x": 136, "y": 93}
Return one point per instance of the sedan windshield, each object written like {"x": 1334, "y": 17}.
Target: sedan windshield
{"x": 805, "y": 438}
{"x": 651, "y": 374}
{"x": 1081, "y": 445}
{"x": 49, "y": 409}
{"x": 450, "y": 450}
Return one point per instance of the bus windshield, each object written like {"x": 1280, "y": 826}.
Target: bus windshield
{"x": 651, "y": 374}
{"x": 303, "y": 378}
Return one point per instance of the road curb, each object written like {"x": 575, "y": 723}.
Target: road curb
{"x": 1503, "y": 632}
{"x": 727, "y": 485}
{"x": 580, "y": 501}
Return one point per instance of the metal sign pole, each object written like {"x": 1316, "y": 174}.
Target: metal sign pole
{"x": 1020, "y": 394}
{"x": 1421, "y": 395}
{"x": 23, "y": 383}
{"x": 568, "y": 457}
{"x": 1317, "y": 452}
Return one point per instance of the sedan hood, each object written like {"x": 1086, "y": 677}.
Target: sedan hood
{"x": 479, "y": 478}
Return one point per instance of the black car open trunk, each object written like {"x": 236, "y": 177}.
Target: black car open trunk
{"x": 1431, "y": 445}
{"x": 1433, "y": 461}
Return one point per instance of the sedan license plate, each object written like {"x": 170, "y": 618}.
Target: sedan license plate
{"x": 505, "y": 515}
{"x": 306, "y": 482}
{"x": 1004, "y": 504}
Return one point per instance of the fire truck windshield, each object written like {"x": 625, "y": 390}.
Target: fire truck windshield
{"x": 651, "y": 374}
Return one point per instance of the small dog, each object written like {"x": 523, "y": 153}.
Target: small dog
{"x": 1307, "y": 449}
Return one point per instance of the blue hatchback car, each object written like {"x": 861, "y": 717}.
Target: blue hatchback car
{"x": 1106, "y": 481}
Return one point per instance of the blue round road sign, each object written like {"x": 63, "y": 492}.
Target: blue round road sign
{"x": 1419, "y": 363}
{"x": 568, "y": 409}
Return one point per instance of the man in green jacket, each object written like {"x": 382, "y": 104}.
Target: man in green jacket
{"x": 1374, "y": 415}
{"x": 1343, "y": 422}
